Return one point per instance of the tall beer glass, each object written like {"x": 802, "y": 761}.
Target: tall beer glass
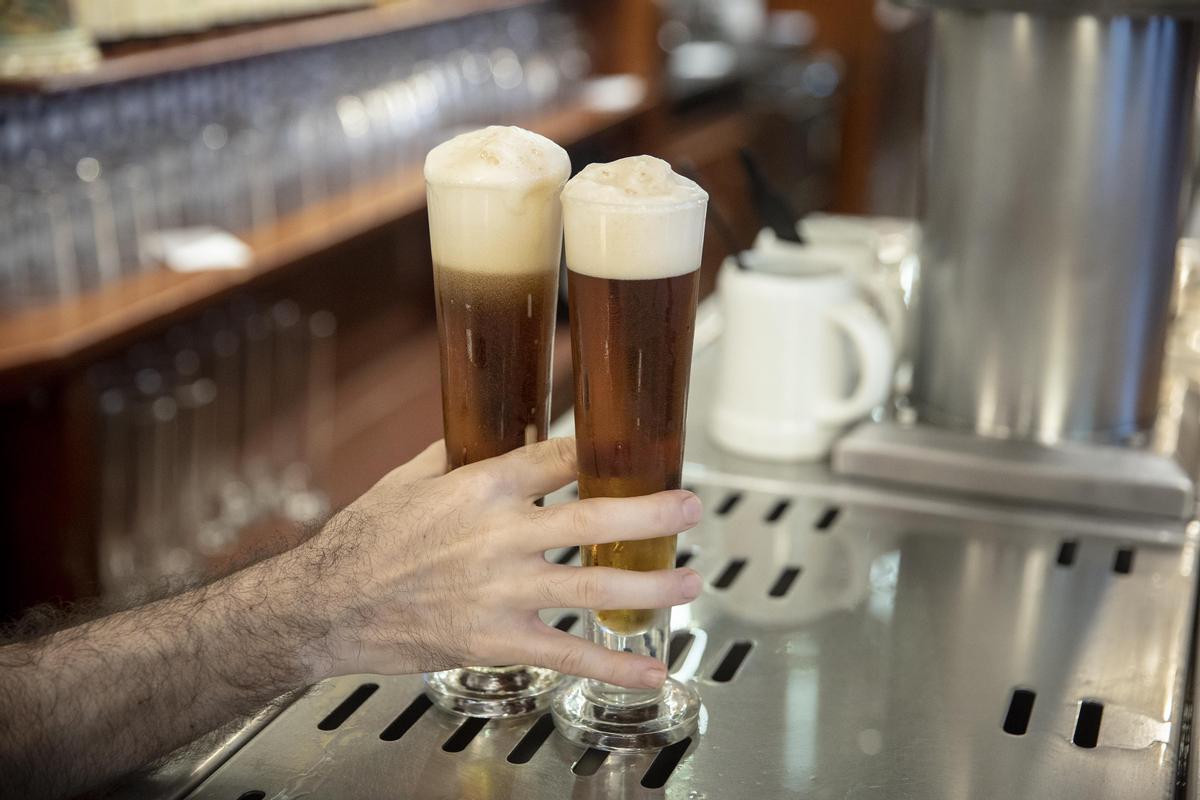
{"x": 634, "y": 233}
{"x": 495, "y": 229}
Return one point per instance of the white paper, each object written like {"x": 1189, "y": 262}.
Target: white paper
{"x": 197, "y": 249}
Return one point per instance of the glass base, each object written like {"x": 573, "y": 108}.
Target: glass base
{"x": 493, "y": 691}
{"x": 656, "y": 723}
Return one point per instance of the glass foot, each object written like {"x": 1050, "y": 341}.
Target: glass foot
{"x": 650, "y": 725}
{"x": 493, "y": 691}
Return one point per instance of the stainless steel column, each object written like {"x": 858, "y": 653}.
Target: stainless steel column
{"x": 1057, "y": 149}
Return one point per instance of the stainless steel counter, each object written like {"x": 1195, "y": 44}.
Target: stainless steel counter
{"x": 908, "y": 636}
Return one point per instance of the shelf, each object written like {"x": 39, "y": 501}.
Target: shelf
{"x": 54, "y": 334}
{"x": 127, "y": 61}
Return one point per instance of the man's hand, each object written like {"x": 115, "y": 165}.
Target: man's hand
{"x": 428, "y": 571}
{"x": 425, "y": 571}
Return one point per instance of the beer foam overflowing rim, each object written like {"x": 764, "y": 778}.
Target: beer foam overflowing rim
{"x": 633, "y": 219}
{"x": 642, "y": 183}
{"x": 498, "y": 157}
{"x": 493, "y": 199}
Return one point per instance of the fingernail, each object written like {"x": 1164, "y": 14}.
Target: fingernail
{"x": 692, "y": 585}
{"x": 653, "y": 677}
{"x": 693, "y": 509}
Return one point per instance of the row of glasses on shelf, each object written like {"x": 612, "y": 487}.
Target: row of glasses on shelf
{"x": 87, "y": 177}
{"x": 218, "y": 424}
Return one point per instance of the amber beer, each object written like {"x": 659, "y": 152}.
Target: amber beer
{"x": 495, "y": 226}
{"x": 631, "y": 340}
{"x": 495, "y": 231}
{"x": 634, "y": 234}
{"x": 495, "y": 334}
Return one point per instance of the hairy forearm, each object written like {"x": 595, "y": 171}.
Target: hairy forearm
{"x": 428, "y": 570}
{"x": 92, "y": 702}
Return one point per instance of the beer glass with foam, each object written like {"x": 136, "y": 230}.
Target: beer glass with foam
{"x": 495, "y": 229}
{"x": 634, "y": 234}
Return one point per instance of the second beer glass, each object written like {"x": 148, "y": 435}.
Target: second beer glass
{"x": 495, "y": 229}
{"x": 634, "y": 234}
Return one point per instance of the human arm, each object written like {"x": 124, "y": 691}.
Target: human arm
{"x": 425, "y": 571}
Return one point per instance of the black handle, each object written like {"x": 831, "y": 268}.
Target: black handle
{"x": 773, "y": 208}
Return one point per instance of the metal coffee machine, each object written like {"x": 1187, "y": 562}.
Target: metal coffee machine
{"x": 1058, "y": 141}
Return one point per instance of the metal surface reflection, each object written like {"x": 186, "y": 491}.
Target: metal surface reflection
{"x": 884, "y": 669}
{"x": 1057, "y": 147}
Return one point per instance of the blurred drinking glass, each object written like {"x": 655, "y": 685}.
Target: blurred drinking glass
{"x": 223, "y": 345}
{"x": 115, "y": 542}
{"x": 304, "y": 501}
{"x": 254, "y": 445}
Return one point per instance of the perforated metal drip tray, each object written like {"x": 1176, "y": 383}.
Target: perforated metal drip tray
{"x": 843, "y": 650}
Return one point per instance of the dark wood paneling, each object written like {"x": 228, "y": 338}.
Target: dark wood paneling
{"x": 849, "y": 28}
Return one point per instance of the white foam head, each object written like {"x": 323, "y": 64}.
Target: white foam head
{"x": 633, "y": 219}
{"x": 494, "y": 203}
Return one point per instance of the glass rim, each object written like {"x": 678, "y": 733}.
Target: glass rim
{"x": 637, "y": 208}
{"x": 489, "y": 187}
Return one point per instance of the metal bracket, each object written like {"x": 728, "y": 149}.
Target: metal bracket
{"x": 1097, "y": 478}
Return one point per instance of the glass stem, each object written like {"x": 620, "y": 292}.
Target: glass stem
{"x": 653, "y": 642}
